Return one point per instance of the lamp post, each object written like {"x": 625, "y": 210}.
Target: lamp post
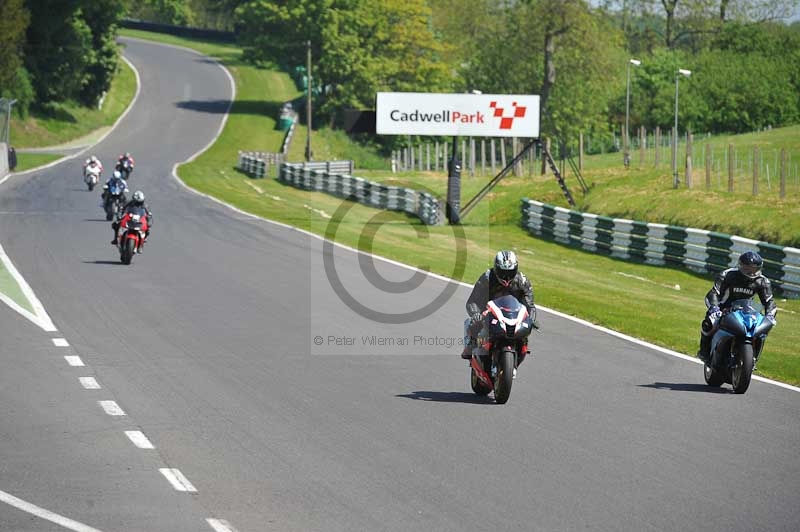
{"x": 308, "y": 100}
{"x": 627, "y": 155}
{"x": 675, "y": 180}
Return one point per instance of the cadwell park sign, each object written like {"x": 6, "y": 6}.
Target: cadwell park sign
{"x": 473, "y": 115}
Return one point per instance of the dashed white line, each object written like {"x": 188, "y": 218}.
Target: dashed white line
{"x": 176, "y": 478}
{"x": 60, "y": 342}
{"x": 45, "y": 514}
{"x": 139, "y": 439}
{"x": 220, "y": 525}
{"x": 74, "y": 360}
{"x": 90, "y": 383}
{"x": 111, "y": 408}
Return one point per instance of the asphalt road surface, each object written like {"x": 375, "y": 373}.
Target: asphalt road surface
{"x": 206, "y": 346}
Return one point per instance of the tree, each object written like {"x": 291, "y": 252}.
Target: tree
{"x": 378, "y": 45}
{"x": 102, "y": 17}
{"x": 13, "y": 24}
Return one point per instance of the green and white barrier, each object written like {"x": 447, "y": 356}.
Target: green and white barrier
{"x": 659, "y": 244}
{"x": 323, "y": 177}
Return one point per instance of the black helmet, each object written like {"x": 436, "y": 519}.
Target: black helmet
{"x": 505, "y": 266}
{"x": 750, "y": 264}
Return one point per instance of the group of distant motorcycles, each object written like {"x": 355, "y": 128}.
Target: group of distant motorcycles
{"x": 132, "y": 224}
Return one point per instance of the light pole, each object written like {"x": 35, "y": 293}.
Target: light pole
{"x": 675, "y": 180}
{"x": 308, "y": 100}
{"x": 627, "y": 155}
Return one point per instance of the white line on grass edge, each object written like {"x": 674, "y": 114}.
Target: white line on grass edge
{"x": 400, "y": 264}
{"x": 41, "y": 317}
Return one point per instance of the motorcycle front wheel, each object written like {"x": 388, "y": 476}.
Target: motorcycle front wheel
{"x": 128, "y": 250}
{"x": 505, "y": 377}
{"x": 741, "y": 373}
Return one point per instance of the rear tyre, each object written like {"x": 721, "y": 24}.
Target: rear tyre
{"x": 91, "y": 186}
{"x": 478, "y": 387}
{"x": 505, "y": 377}
{"x": 713, "y": 378}
{"x": 741, "y": 373}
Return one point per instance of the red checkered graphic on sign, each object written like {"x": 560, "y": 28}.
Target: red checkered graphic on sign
{"x": 507, "y": 121}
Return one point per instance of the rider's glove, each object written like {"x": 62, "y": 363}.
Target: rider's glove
{"x": 771, "y": 317}
{"x": 476, "y": 317}
{"x": 714, "y": 313}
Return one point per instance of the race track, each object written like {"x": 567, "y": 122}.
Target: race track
{"x": 206, "y": 343}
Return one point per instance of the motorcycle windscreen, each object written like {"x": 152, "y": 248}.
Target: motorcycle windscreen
{"x": 509, "y": 306}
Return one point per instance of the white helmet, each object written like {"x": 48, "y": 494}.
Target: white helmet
{"x": 138, "y": 196}
{"x": 117, "y": 174}
{"x": 93, "y": 159}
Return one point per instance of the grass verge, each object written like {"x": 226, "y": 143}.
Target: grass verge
{"x": 60, "y": 123}
{"x": 641, "y": 301}
{"x": 26, "y": 161}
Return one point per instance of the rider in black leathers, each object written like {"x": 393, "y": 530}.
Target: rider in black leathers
{"x": 136, "y": 202}
{"x": 502, "y": 279}
{"x": 742, "y": 282}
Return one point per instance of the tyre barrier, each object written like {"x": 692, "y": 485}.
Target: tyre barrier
{"x": 659, "y": 244}
{"x": 325, "y": 177}
{"x": 256, "y": 164}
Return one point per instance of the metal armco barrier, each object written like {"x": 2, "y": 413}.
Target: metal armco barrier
{"x": 659, "y": 244}
{"x": 324, "y": 177}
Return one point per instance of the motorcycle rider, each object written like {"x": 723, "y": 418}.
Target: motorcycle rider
{"x": 742, "y": 282}
{"x": 504, "y": 278}
{"x": 116, "y": 176}
{"x": 92, "y": 163}
{"x": 125, "y": 157}
{"x": 136, "y": 202}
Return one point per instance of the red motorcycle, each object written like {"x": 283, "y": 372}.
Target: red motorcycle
{"x": 131, "y": 233}
{"x": 506, "y": 323}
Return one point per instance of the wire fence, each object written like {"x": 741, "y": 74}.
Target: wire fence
{"x": 756, "y": 168}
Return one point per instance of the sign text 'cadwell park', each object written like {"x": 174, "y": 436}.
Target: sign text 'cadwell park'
{"x": 476, "y": 115}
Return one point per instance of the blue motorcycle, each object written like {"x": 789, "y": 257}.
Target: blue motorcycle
{"x": 737, "y": 345}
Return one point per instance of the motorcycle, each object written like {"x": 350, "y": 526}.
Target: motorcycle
{"x": 114, "y": 197}
{"x": 91, "y": 176}
{"x": 131, "y": 233}
{"x": 736, "y": 346}
{"x": 125, "y": 168}
{"x": 506, "y": 323}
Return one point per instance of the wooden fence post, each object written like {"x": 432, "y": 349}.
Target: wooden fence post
{"x": 580, "y": 151}
{"x": 658, "y": 146}
{"x": 755, "y": 170}
{"x": 483, "y": 157}
{"x": 688, "y": 176}
{"x": 642, "y": 144}
{"x": 730, "y": 167}
{"x": 503, "y": 152}
{"x": 783, "y": 172}
{"x": 708, "y": 166}
{"x": 494, "y": 158}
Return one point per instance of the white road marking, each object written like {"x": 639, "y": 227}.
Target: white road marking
{"x": 74, "y": 360}
{"x": 39, "y": 315}
{"x": 176, "y": 478}
{"x": 139, "y": 439}
{"x": 45, "y": 514}
{"x": 60, "y": 342}
{"x": 90, "y": 383}
{"x": 220, "y": 525}
{"x": 111, "y": 408}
